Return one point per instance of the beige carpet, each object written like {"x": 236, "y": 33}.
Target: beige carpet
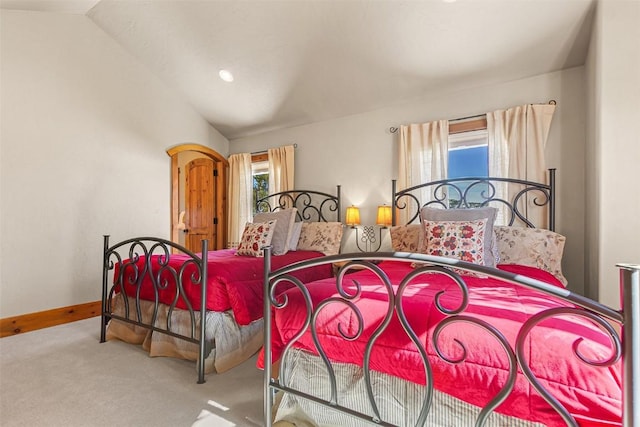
{"x": 62, "y": 376}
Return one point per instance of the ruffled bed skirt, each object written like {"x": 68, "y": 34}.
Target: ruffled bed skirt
{"x": 231, "y": 343}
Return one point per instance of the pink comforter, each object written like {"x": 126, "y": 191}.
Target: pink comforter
{"x": 591, "y": 395}
{"x": 234, "y": 282}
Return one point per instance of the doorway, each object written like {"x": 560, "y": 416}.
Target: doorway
{"x": 198, "y": 196}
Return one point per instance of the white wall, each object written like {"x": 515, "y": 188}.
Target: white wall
{"x": 359, "y": 152}
{"x": 85, "y": 128}
{"x": 83, "y": 125}
{"x": 614, "y": 70}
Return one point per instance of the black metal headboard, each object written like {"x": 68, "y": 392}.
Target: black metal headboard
{"x": 476, "y": 192}
{"x": 313, "y": 206}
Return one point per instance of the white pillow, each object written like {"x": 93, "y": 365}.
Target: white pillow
{"x": 295, "y": 236}
{"x": 282, "y": 233}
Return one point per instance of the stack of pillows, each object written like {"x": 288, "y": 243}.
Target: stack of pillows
{"x": 466, "y": 234}
{"x": 281, "y": 230}
{"x": 470, "y": 235}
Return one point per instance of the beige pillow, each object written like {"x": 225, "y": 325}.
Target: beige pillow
{"x": 254, "y": 237}
{"x": 534, "y": 247}
{"x": 282, "y": 233}
{"x": 406, "y": 238}
{"x": 322, "y": 237}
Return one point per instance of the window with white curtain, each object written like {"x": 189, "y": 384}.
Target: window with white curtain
{"x": 468, "y": 156}
{"x": 260, "y": 173}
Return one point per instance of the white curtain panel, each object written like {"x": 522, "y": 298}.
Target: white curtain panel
{"x": 281, "y": 168}
{"x": 240, "y": 200}
{"x": 516, "y": 141}
{"x": 423, "y": 157}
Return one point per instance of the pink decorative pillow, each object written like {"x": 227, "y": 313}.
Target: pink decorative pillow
{"x": 256, "y": 236}
{"x": 463, "y": 240}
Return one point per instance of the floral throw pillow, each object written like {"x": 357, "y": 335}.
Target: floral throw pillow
{"x": 463, "y": 240}
{"x": 471, "y": 214}
{"x": 406, "y": 238}
{"x": 322, "y": 237}
{"x": 282, "y": 232}
{"x": 534, "y": 247}
{"x": 256, "y": 236}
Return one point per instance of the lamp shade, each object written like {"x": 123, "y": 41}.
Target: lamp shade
{"x": 353, "y": 215}
{"x": 384, "y": 215}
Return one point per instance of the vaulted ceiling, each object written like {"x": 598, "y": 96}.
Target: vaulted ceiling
{"x": 297, "y": 62}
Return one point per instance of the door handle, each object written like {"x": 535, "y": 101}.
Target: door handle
{"x": 181, "y": 225}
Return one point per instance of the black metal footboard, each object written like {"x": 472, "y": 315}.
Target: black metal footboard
{"x": 620, "y": 327}
{"x": 141, "y": 269}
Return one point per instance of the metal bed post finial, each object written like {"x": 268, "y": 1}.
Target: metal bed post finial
{"x": 103, "y": 316}
{"x": 339, "y": 207}
{"x": 630, "y": 300}
{"x": 267, "y": 338}
{"x": 552, "y": 199}
{"x": 204, "y": 257}
{"x": 393, "y": 202}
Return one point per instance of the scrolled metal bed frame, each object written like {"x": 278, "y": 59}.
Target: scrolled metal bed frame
{"x": 147, "y": 247}
{"x": 312, "y": 206}
{"x": 625, "y": 345}
{"x": 441, "y": 193}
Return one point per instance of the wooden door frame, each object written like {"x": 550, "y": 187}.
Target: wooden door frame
{"x": 222, "y": 165}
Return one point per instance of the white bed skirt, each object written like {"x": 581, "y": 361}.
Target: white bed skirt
{"x": 399, "y": 401}
{"x": 231, "y": 343}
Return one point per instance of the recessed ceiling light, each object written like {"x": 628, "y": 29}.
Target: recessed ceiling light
{"x": 226, "y": 75}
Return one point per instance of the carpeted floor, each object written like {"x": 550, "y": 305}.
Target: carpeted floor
{"x": 63, "y": 376}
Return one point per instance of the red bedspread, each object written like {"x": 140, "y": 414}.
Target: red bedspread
{"x": 234, "y": 282}
{"x": 592, "y": 395}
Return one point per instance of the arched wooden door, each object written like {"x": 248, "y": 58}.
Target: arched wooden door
{"x": 218, "y": 239}
{"x": 200, "y": 198}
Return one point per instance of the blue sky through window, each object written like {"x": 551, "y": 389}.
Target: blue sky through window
{"x": 468, "y": 162}
{"x": 472, "y": 161}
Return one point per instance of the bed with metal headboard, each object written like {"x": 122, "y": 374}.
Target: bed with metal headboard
{"x": 411, "y": 339}
{"x": 165, "y": 290}
{"x": 310, "y": 205}
{"x": 518, "y": 199}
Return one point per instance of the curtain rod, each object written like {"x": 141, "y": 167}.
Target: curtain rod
{"x": 395, "y": 129}
{"x": 266, "y": 151}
